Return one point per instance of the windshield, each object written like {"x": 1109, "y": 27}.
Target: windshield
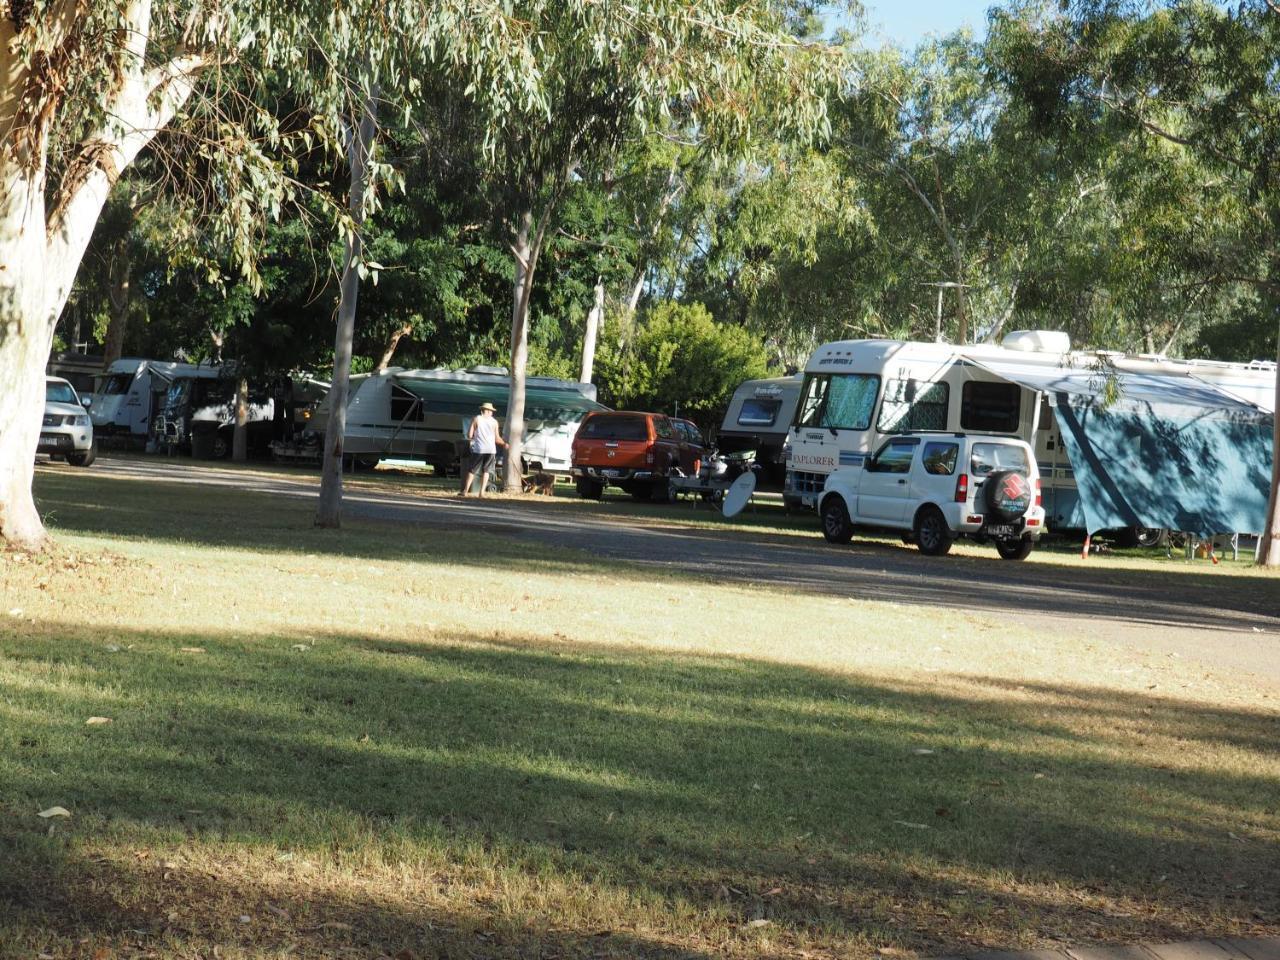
{"x": 59, "y": 391}
{"x": 614, "y": 428}
{"x": 989, "y": 457}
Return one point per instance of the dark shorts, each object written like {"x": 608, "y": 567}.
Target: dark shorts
{"x": 481, "y": 462}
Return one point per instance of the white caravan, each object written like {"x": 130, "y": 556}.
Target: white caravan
{"x": 759, "y": 415}
{"x": 131, "y": 394}
{"x": 424, "y": 414}
{"x": 858, "y": 393}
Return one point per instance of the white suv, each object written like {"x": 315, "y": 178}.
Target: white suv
{"x": 66, "y": 430}
{"x": 937, "y": 487}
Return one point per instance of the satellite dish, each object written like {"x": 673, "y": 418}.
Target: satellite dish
{"x": 739, "y": 494}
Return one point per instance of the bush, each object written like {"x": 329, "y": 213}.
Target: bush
{"x": 679, "y": 355}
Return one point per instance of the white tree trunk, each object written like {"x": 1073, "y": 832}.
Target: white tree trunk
{"x": 595, "y": 317}
{"x": 520, "y": 285}
{"x": 240, "y": 436}
{"x": 43, "y": 239}
{"x": 329, "y": 510}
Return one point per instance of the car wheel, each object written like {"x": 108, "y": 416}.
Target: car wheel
{"x": 589, "y": 489}
{"x": 661, "y": 492}
{"x": 84, "y": 458}
{"x": 836, "y": 525}
{"x": 1141, "y": 537}
{"x": 221, "y": 445}
{"x": 933, "y": 536}
{"x": 1018, "y": 549}
{"x": 640, "y": 491}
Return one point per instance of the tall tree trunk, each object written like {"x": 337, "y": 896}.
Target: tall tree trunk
{"x": 43, "y": 239}
{"x": 521, "y": 282}
{"x": 360, "y": 143}
{"x": 240, "y": 436}
{"x": 399, "y": 333}
{"x": 118, "y": 272}
{"x": 595, "y": 317}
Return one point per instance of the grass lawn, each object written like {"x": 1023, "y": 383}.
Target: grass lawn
{"x": 386, "y": 739}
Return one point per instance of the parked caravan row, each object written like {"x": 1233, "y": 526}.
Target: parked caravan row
{"x": 424, "y": 414}
{"x": 1079, "y": 411}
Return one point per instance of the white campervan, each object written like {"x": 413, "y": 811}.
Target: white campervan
{"x": 858, "y": 393}
{"x": 131, "y": 394}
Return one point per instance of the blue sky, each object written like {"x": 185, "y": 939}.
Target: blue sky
{"x": 907, "y": 22}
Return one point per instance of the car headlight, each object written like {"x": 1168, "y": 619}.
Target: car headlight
{"x": 79, "y": 420}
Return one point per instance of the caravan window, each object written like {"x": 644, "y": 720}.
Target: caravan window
{"x": 116, "y": 384}
{"x": 842, "y": 401}
{"x": 913, "y": 405}
{"x": 759, "y": 412}
{"x": 990, "y": 407}
{"x": 403, "y": 405}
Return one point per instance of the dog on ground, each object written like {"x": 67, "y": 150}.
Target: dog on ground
{"x": 539, "y": 483}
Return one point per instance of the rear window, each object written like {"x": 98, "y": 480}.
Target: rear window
{"x": 759, "y": 412}
{"x": 614, "y": 428}
{"x": 990, "y": 457}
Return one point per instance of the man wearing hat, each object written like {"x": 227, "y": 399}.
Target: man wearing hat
{"x": 484, "y": 438}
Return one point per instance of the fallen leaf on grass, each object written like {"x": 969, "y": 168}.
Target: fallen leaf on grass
{"x": 277, "y": 912}
{"x": 756, "y": 924}
{"x": 191, "y": 650}
{"x": 913, "y": 826}
{"x": 334, "y": 925}
{"x": 922, "y": 752}
{"x": 54, "y": 812}
{"x": 773, "y": 893}
{"x": 1236, "y": 838}
{"x": 97, "y": 721}
{"x": 300, "y": 646}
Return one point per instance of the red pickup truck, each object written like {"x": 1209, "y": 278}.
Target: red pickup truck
{"x": 639, "y": 452}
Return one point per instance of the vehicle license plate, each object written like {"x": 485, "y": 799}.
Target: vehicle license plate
{"x": 50, "y": 439}
{"x": 612, "y": 473}
{"x": 1001, "y": 530}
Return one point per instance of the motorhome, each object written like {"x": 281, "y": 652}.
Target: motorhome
{"x": 858, "y": 393}
{"x": 132, "y": 392}
{"x": 423, "y": 415}
{"x": 199, "y": 413}
{"x": 758, "y": 418}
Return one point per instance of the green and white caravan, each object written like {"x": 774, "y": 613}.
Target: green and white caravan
{"x": 1137, "y": 444}
{"x": 423, "y": 415}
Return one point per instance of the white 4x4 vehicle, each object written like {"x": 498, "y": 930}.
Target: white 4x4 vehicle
{"x": 66, "y": 430}
{"x": 940, "y": 486}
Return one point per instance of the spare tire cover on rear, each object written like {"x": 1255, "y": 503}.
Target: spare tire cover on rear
{"x": 1007, "y": 493}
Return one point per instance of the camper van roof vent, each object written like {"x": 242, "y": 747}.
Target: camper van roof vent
{"x": 485, "y": 368}
{"x": 1038, "y": 341}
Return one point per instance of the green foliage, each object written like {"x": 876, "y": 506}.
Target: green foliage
{"x": 679, "y": 356}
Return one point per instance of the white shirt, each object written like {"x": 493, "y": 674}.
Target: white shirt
{"x": 484, "y": 437}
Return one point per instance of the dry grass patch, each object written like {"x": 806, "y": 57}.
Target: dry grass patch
{"x": 385, "y": 738}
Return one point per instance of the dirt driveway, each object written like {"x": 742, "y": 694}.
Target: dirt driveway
{"x": 1230, "y": 621}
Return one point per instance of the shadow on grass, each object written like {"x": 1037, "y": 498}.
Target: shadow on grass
{"x": 679, "y": 795}
{"x": 522, "y": 536}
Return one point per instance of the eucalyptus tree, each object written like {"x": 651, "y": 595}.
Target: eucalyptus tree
{"x": 611, "y": 71}
{"x": 1197, "y": 77}
{"x": 85, "y": 87}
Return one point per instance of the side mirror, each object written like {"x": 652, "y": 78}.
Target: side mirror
{"x": 86, "y": 402}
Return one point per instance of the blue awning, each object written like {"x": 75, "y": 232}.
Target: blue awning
{"x": 1156, "y": 450}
